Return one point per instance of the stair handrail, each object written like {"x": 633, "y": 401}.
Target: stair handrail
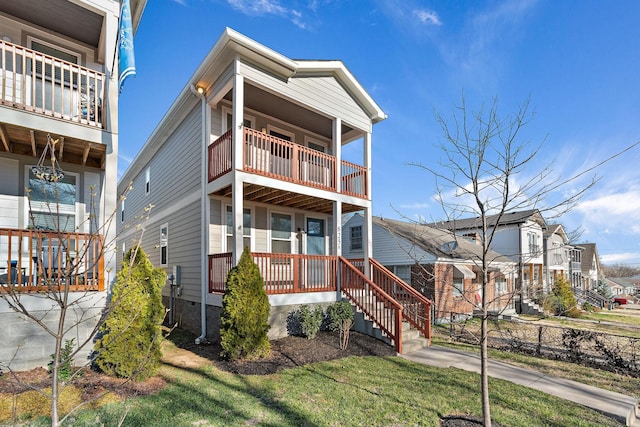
{"x": 376, "y": 316}
{"x": 408, "y": 299}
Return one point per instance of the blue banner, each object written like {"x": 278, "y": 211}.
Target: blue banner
{"x": 125, "y": 41}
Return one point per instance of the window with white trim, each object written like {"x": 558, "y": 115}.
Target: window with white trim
{"x": 458, "y": 286}
{"x": 52, "y": 205}
{"x": 501, "y": 285}
{"x": 164, "y": 245}
{"x": 246, "y": 228}
{"x": 356, "y": 238}
{"x": 281, "y": 233}
{"x": 147, "y": 180}
{"x": 247, "y": 121}
{"x": 122, "y": 211}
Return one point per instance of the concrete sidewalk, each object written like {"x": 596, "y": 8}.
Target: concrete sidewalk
{"x": 616, "y": 405}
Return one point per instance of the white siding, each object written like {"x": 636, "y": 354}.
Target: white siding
{"x": 9, "y": 193}
{"x": 388, "y": 249}
{"x": 323, "y": 94}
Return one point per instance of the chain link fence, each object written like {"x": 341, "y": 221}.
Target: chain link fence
{"x": 617, "y": 353}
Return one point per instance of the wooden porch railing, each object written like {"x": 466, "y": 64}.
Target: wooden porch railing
{"x": 36, "y": 261}
{"x": 267, "y": 155}
{"x": 282, "y": 273}
{"x": 381, "y": 308}
{"x": 416, "y": 307}
{"x": 34, "y": 81}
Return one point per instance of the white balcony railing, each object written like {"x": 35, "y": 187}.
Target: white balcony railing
{"x": 34, "y": 81}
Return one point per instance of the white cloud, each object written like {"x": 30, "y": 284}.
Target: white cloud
{"x": 620, "y": 258}
{"x": 269, "y": 7}
{"x": 181, "y": 2}
{"x": 427, "y": 17}
{"x": 416, "y": 205}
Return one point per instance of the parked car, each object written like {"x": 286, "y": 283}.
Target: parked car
{"x": 621, "y": 301}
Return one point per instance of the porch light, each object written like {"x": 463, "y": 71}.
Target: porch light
{"x": 46, "y": 173}
{"x": 200, "y": 89}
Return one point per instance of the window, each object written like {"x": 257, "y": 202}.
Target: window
{"x": 124, "y": 250}
{"x": 122, "y": 211}
{"x": 402, "y": 271}
{"x": 246, "y": 228}
{"x": 147, "y": 180}
{"x": 534, "y": 250}
{"x": 164, "y": 244}
{"x": 247, "y": 121}
{"x": 356, "y": 238}
{"x": 52, "y": 204}
{"x": 280, "y": 233}
{"x": 57, "y": 52}
{"x": 501, "y": 285}
{"x": 458, "y": 286}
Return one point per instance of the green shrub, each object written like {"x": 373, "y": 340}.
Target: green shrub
{"x": 64, "y": 364}
{"x": 563, "y": 301}
{"x": 340, "y": 316}
{"x": 245, "y": 312}
{"x": 310, "y": 320}
{"x": 132, "y": 331}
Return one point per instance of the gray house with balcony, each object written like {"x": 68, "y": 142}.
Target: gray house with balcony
{"x": 250, "y": 154}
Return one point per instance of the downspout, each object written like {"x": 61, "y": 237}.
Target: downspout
{"x": 204, "y": 249}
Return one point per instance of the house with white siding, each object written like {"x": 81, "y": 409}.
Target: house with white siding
{"x": 519, "y": 236}
{"x": 556, "y": 255}
{"x": 441, "y": 265}
{"x": 251, "y": 154}
{"x": 58, "y": 100}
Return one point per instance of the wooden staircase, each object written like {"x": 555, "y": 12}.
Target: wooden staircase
{"x": 386, "y": 307}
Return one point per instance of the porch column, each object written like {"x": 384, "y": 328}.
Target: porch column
{"x": 366, "y": 232}
{"x": 337, "y": 228}
{"x": 238, "y": 143}
{"x": 337, "y": 152}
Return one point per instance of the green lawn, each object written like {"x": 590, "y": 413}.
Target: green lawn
{"x": 356, "y": 391}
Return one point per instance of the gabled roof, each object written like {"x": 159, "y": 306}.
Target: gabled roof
{"x": 507, "y": 218}
{"x": 437, "y": 241}
{"x": 590, "y": 251}
{"x": 556, "y": 229}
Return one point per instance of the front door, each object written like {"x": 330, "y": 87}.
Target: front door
{"x": 315, "y": 246}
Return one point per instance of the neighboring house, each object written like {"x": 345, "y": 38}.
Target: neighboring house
{"x": 590, "y": 266}
{"x": 250, "y": 154}
{"x": 624, "y": 285}
{"x": 58, "y": 96}
{"x": 519, "y": 236}
{"x": 556, "y": 255}
{"x": 444, "y": 267}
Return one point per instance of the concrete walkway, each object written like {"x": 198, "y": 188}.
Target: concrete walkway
{"x": 616, "y": 405}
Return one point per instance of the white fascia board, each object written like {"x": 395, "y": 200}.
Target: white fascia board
{"x": 345, "y": 77}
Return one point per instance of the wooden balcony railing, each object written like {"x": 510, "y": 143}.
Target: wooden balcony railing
{"x": 267, "y": 155}
{"x": 43, "y": 261}
{"x": 34, "y": 81}
{"x": 372, "y": 300}
{"x": 282, "y": 273}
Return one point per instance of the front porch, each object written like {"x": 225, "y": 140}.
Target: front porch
{"x": 383, "y": 297}
{"x": 34, "y": 261}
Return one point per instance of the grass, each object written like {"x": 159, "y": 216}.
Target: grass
{"x": 355, "y": 391}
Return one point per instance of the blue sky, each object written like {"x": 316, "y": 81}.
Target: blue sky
{"x": 578, "y": 61}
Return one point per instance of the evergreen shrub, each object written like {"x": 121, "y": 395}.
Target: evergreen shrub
{"x": 129, "y": 346}
{"x": 244, "y": 321}
{"x": 310, "y": 320}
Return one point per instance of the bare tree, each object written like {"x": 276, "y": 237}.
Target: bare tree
{"x": 65, "y": 269}
{"x": 486, "y": 172}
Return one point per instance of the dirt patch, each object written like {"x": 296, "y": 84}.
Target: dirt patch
{"x": 285, "y": 353}
{"x": 463, "y": 421}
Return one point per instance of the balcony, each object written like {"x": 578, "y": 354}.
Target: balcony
{"x": 45, "y": 85}
{"x": 277, "y": 158}
{"x": 45, "y": 261}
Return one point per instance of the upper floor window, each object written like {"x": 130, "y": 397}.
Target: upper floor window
{"x": 57, "y": 52}
{"x": 147, "y": 181}
{"x": 534, "y": 249}
{"x": 356, "y": 238}
{"x": 122, "y": 211}
{"x": 247, "y": 121}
